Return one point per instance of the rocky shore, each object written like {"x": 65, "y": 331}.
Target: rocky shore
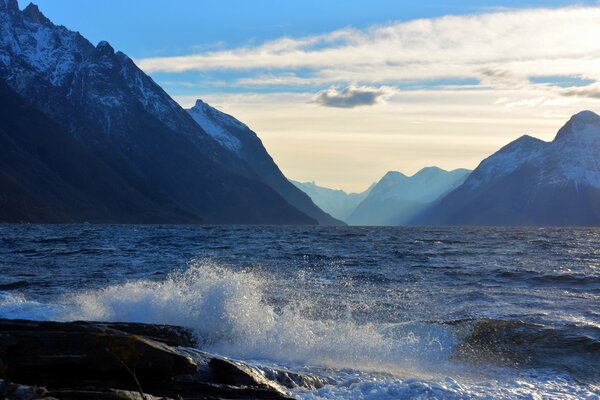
{"x": 94, "y": 360}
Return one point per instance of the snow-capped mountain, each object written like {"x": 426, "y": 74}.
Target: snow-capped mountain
{"x": 121, "y": 117}
{"x": 532, "y": 182}
{"x": 336, "y": 202}
{"x": 398, "y": 198}
{"x": 238, "y": 139}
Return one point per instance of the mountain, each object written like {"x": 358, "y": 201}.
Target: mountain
{"x": 162, "y": 164}
{"x": 236, "y": 138}
{"x": 336, "y": 202}
{"x": 41, "y": 165}
{"x": 532, "y": 182}
{"x": 398, "y": 198}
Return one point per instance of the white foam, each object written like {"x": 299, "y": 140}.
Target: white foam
{"x": 16, "y": 306}
{"x": 228, "y": 311}
{"x": 231, "y": 316}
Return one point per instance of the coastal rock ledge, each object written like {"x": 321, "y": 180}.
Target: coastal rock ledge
{"x": 94, "y": 360}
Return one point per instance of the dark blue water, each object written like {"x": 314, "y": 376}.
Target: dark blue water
{"x": 383, "y": 312}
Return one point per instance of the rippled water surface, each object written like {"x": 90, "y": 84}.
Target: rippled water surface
{"x": 381, "y": 312}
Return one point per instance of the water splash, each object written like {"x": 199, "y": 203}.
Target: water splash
{"x": 231, "y": 315}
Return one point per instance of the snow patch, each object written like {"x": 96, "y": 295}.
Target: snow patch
{"x": 215, "y": 123}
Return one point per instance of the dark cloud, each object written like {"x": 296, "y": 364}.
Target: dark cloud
{"x": 498, "y": 76}
{"x": 352, "y": 96}
{"x": 591, "y": 91}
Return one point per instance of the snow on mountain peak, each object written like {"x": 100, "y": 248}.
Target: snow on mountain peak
{"x": 215, "y": 122}
{"x": 584, "y": 122}
{"x": 570, "y": 158}
{"x": 208, "y": 110}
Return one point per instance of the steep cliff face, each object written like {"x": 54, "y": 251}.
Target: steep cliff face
{"x": 120, "y": 116}
{"x": 239, "y": 140}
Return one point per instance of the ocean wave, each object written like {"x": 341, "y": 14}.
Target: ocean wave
{"x": 17, "y": 306}
{"x": 236, "y": 313}
{"x": 231, "y": 315}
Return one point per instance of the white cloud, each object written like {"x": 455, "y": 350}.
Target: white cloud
{"x": 501, "y": 48}
{"x": 452, "y": 126}
{"x": 411, "y": 130}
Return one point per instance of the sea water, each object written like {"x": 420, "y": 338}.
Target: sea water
{"x": 379, "y": 313}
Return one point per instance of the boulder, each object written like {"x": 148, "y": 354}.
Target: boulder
{"x": 98, "y": 360}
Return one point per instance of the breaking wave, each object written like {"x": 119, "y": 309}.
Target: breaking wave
{"x": 231, "y": 314}
{"x": 234, "y": 313}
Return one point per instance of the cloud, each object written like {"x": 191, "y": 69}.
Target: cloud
{"x": 352, "y": 96}
{"x": 497, "y": 76}
{"x": 590, "y": 91}
{"x": 503, "y": 48}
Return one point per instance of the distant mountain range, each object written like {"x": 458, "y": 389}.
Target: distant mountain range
{"x": 333, "y": 201}
{"x": 87, "y": 136}
{"x": 398, "y": 198}
{"x": 528, "y": 182}
{"x": 394, "y": 200}
{"x": 531, "y": 182}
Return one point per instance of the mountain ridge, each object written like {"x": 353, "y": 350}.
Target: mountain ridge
{"x": 336, "y": 202}
{"x": 530, "y": 182}
{"x": 397, "y": 198}
{"x": 236, "y": 137}
{"x": 121, "y": 116}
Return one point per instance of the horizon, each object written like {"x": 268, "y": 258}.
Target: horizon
{"x": 341, "y": 98}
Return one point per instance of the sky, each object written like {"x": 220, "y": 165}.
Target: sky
{"x": 341, "y": 92}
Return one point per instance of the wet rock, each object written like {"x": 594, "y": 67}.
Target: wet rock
{"x": 167, "y": 334}
{"x": 13, "y": 391}
{"x": 235, "y": 373}
{"x": 293, "y": 380}
{"x": 108, "y": 394}
{"x": 95, "y": 360}
{"x": 42, "y": 353}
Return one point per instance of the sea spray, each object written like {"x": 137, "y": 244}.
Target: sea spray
{"x": 382, "y": 313}
{"x": 230, "y": 314}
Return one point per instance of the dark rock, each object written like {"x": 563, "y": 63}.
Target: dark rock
{"x": 97, "y": 360}
{"x": 107, "y": 394}
{"x": 168, "y": 334}
{"x": 293, "y": 380}
{"x": 13, "y": 391}
{"x": 52, "y": 355}
{"x": 33, "y": 14}
{"x": 238, "y": 374}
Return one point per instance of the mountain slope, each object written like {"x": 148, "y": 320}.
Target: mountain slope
{"x": 41, "y": 165}
{"x": 336, "y": 202}
{"x": 120, "y": 116}
{"x": 532, "y": 182}
{"x": 398, "y": 198}
{"x": 236, "y": 138}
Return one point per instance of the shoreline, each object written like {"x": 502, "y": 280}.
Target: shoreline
{"x": 98, "y": 360}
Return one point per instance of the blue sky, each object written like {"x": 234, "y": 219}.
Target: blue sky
{"x": 342, "y": 91}
{"x": 165, "y": 28}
